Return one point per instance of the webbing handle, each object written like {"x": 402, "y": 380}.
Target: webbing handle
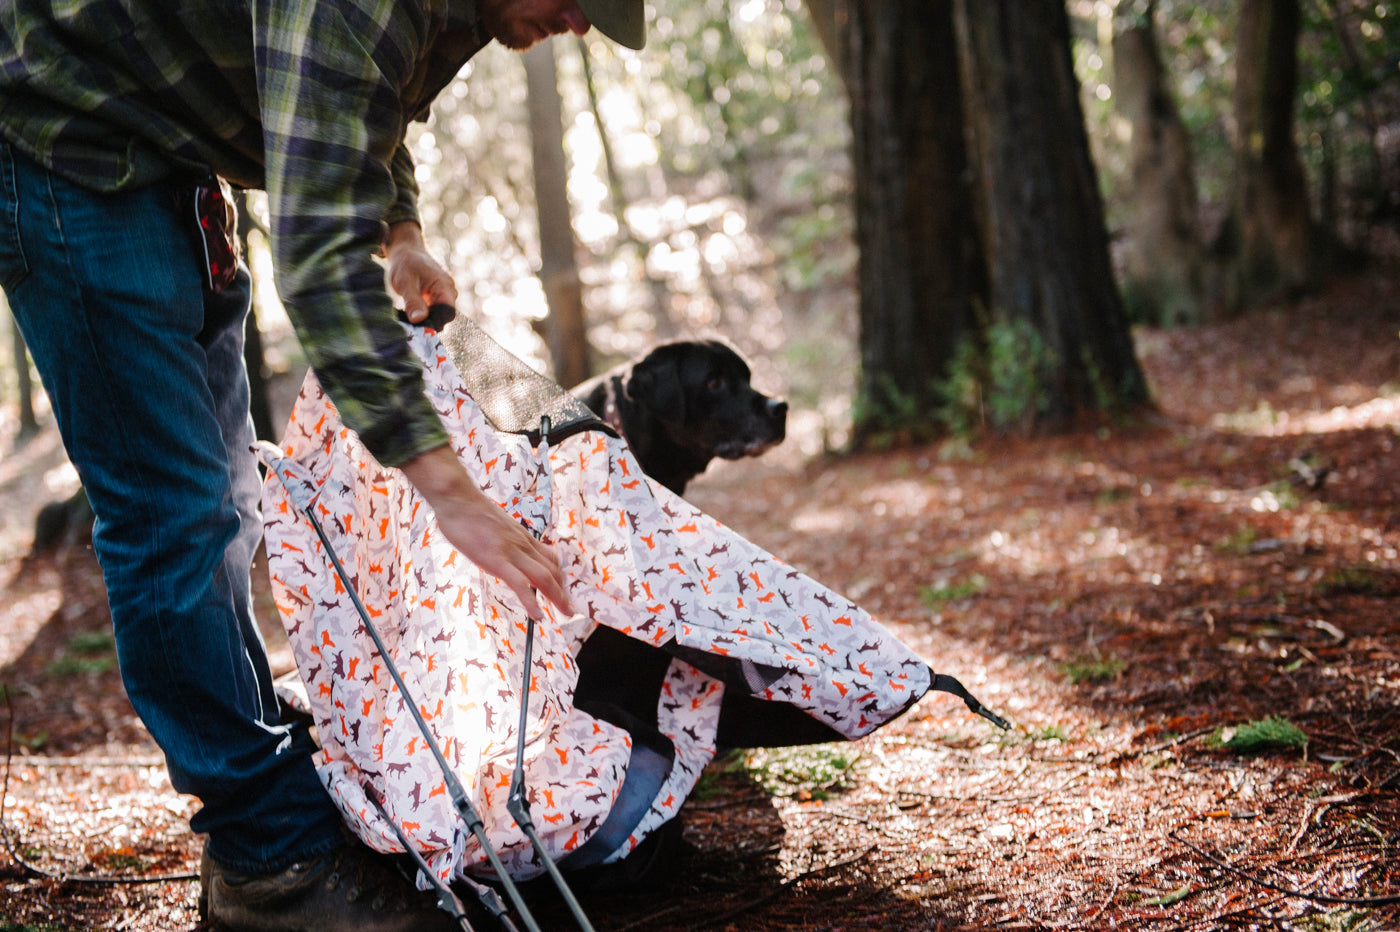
{"x": 944, "y": 683}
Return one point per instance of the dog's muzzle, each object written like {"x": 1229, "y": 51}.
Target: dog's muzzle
{"x": 765, "y": 430}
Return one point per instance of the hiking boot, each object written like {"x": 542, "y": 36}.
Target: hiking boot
{"x": 350, "y": 889}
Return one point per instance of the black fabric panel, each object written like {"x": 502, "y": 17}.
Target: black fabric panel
{"x": 748, "y": 722}
{"x": 620, "y": 681}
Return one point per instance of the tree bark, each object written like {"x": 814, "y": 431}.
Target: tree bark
{"x": 565, "y": 332}
{"x": 829, "y": 22}
{"x": 1270, "y": 212}
{"x": 920, "y": 263}
{"x": 28, "y": 423}
{"x": 1164, "y": 264}
{"x": 1052, "y": 284}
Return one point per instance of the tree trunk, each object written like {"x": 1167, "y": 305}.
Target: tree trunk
{"x": 829, "y": 22}
{"x": 617, "y": 196}
{"x": 28, "y": 423}
{"x": 1061, "y": 344}
{"x": 1270, "y": 210}
{"x": 920, "y": 264}
{"x": 565, "y": 330}
{"x": 1164, "y": 273}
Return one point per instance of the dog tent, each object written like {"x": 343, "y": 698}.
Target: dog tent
{"x": 689, "y": 636}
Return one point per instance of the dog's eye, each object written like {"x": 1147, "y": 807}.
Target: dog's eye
{"x": 715, "y": 385}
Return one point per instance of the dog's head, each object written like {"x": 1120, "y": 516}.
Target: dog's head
{"x": 698, "y": 392}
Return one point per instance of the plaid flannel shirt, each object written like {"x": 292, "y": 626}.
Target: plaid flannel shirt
{"x": 309, "y": 99}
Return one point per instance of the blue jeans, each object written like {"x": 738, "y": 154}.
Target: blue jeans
{"x": 144, "y": 368}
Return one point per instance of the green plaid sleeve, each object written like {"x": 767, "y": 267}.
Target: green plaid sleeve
{"x": 329, "y": 75}
{"x": 405, "y": 205}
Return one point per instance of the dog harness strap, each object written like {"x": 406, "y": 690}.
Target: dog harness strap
{"x": 944, "y": 683}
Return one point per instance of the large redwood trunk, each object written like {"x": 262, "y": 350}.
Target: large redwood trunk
{"x": 920, "y": 266}
{"x": 1052, "y": 286}
{"x": 1164, "y": 264}
{"x": 1271, "y": 215}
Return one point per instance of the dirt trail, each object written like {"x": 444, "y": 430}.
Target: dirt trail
{"x": 1130, "y": 598}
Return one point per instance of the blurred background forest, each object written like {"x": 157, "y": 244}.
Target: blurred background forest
{"x": 918, "y": 222}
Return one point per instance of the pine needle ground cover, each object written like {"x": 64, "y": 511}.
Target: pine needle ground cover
{"x": 1198, "y": 642}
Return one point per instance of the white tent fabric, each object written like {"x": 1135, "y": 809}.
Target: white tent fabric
{"x": 638, "y": 559}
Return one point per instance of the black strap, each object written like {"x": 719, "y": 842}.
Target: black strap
{"x": 944, "y": 683}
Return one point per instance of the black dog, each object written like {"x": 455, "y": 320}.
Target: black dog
{"x": 683, "y": 404}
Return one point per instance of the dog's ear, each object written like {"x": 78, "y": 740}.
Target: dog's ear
{"x": 655, "y": 383}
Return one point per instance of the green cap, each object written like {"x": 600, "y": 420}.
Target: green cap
{"x": 623, "y": 21}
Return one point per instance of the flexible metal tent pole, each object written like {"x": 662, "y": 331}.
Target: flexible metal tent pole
{"x": 448, "y": 900}
{"x": 516, "y": 803}
{"x": 519, "y": 807}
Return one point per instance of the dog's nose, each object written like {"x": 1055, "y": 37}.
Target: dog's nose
{"x": 777, "y": 409}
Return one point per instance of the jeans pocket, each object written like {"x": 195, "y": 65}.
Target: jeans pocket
{"x": 13, "y": 265}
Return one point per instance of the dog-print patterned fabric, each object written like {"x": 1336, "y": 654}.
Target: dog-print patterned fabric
{"x": 637, "y": 558}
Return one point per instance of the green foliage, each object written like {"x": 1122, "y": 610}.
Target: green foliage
{"x": 1238, "y": 541}
{"x": 715, "y": 778}
{"x": 1346, "y": 59}
{"x": 1265, "y": 734}
{"x": 1017, "y": 361}
{"x": 936, "y": 596}
{"x": 961, "y": 390}
{"x": 1172, "y": 898}
{"x": 1049, "y": 733}
{"x": 817, "y": 247}
{"x": 1340, "y": 920}
{"x": 810, "y": 772}
{"x": 1092, "y": 669}
{"x": 1018, "y": 737}
{"x": 1347, "y": 83}
{"x": 87, "y": 652}
{"x": 815, "y": 771}
{"x": 1112, "y": 496}
{"x": 996, "y": 379}
{"x": 1355, "y": 580}
{"x": 888, "y": 416}
{"x": 35, "y": 741}
{"x": 751, "y": 73}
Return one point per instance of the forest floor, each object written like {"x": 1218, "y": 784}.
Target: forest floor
{"x": 1142, "y": 602}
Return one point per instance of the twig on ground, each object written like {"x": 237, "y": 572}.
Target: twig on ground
{"x": 90, "y": 762}
{"x": 38, "y": 871}
{"x": 1161, "y": 746}
{"x": 1251, "y": 910}
{"x": 1279, "y": 888}
{"x": 648, "y": 920}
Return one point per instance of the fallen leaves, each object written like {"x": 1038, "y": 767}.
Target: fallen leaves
{"x": 1121, "y": 597}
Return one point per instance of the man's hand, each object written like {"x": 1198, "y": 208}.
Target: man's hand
{"x": 484, "y": 533}
{"x": 414, "y": 274}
